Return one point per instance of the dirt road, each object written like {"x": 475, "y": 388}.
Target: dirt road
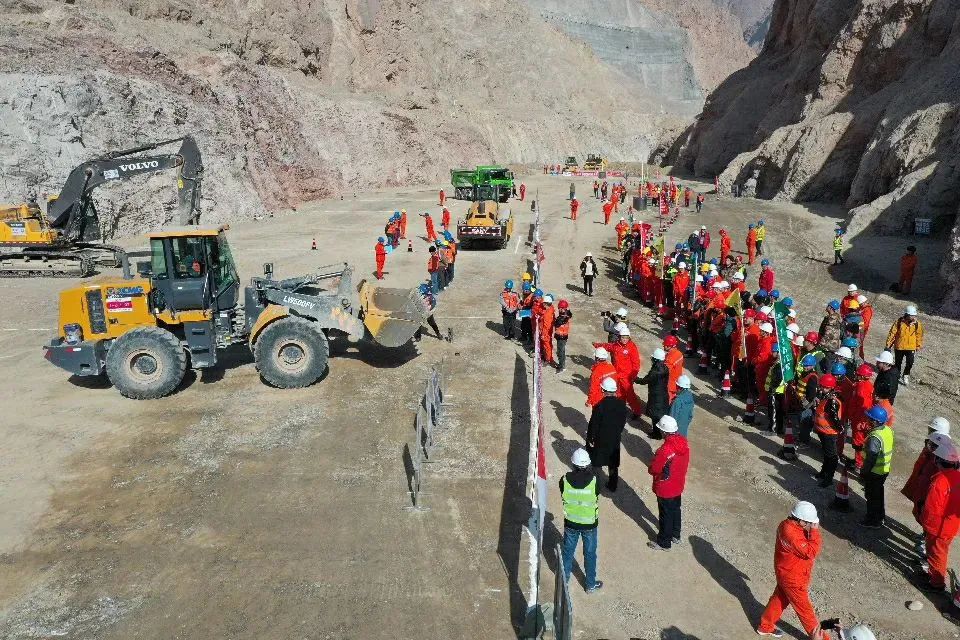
{"x": 231, "y": 509}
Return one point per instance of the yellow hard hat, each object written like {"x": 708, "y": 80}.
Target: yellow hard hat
{"x": 527, "y": 277}
{"x": 853, "y": 304}
{"x": 403, "y": 210}
{"x": 445, "y": 243}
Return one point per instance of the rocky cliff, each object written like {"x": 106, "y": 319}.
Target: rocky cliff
{"x": 851, "y": 101}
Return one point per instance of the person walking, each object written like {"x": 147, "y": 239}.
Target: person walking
{"x": 588, "y": 271}
{"x": 445, "y": 219}
{"x": 380, "y": 255}
{"x": 905, "y": 338}
{"x": 602, "y": 370}
{"x": 574, "y": 208}
{"x": 428, "y": 222}
{"x": 798, "y": 545}
{"x": 941, "y": 515}
{"x": 681, "y": 409}
{"x": 700, "y": 199}
{"x": 604, "y": 431}
{"x": 669, "y": 470}
{"x": 523, "y": 192}
{"x": 878, "y": 454}
{"x": 656, "y": 380}
{"x": 626, "y": 359}
{"x": 828, "y": 423}
{"x": 580, "y": 492}
{"x": 443, "y": 197}
{"x": 561, "y": 331}
{"x": 726, "y": 246}
{"x": 908, "y": 266}
{"x": 403, "y": 224}
{"x": 509, "y": 305}
{"x": 573, "y": 193}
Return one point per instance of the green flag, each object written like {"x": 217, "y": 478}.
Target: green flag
{"x": 787, "y": 365}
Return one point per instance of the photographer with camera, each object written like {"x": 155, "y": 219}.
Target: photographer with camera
{"x": 610, "y": 322}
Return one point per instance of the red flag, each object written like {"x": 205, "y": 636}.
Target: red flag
{"x": 716, "y": 184}
{"x": 539, "y": 250}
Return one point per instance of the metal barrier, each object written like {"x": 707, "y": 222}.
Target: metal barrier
{"x": 429, "y": 414}
{"x": 562, "y": 604}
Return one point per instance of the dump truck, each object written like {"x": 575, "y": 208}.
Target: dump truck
{"x": 570, "y": 165}
{"x": 66, "y": 240}
{"x": 486, "y": 221}
{"x": 464, "y": 181}
{"x": 594, "y": 163}
{"x": 183, "y": 308}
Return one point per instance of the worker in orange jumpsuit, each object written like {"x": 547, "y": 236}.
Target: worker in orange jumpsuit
{"x": 443, "y": 197}
{"x": 941, "y": 514}
{"x": 431, "y": 232}
{"x": 380, "y": 253}
{"x": 726, "y": 244}
{"x": 445, "y": 219}
{"x": 908, "y": 265}
{"x": 646, "y": 277}
{"x": 546, "y": 318}
{"x": 751, "y": 244}
{"x": 403, "y": 224}
{"x": 622, "y": 230}
{"x": 574, "y": 208}
{"x": 763, "y": 359}
{"x": 607, "y": 211}
{"x": 637, "y": 265}
{"x": 681, "y": 290}
{"x": 918, "y": 484}
{"x": 861, "y": 399}
{"x": 523, "y": 191}
{"x": 674, "y": 362}
{"x": 798, "y": 545}
{"x": 866, "y": 313}
{"x": 626, "y": 360}
{"x": 602, "y": 369}
{"x": 751, "y": 340}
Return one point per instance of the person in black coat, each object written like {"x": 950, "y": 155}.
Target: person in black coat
{"x": 658, "y": 401}
{"x": 606, "y": 425}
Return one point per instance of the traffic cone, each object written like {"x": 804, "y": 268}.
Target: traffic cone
{"x": 676, "y": 325}
{"x": 725, "y": 386}
{"x": 704, "y": 362}
{"x": 841, "y": 499}
{"x": 749, "y": 416}
{"x": 789, "y": 449}
{"x": 409, "y": 246}
{"x": 313, "y": 245}
{"x": 660, "y": 310}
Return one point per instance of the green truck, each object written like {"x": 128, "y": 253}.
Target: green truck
{"x": 465, "y": 181}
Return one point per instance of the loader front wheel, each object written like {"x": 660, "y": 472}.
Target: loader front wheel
{"x": 146, "y": 363}
{"x": 291, "y": 353}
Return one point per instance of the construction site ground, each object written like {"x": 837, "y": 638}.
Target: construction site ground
{"x": 234, "y": 510}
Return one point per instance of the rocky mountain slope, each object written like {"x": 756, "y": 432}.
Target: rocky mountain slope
{"x": 852, "y": 101}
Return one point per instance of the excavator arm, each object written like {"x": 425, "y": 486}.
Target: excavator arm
{"x": 73, "y": 213}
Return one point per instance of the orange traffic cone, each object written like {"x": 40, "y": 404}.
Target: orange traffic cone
{"x": 789, "y": 449}
{"x": 749, "y": 416}
{"x": 676, "y": 325}
{"x": 841, "y": 499}
{"x": 704, "y": 363}
{"x": 313, "y": 245}
{"x": 660, "y": 310}
{"x": 725, "y": 386}
{"x": 409, "y": 246}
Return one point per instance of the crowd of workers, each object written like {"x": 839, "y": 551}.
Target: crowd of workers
{"x": 794, "y": 384}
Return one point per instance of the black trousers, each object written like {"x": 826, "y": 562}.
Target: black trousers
{"x": 526, "y": 329}
{"x": 509, "y": 321}
{"x": 830, "y": 457}
{"x": 669, "y": 512}
{"x": 775, "y": 403}
{"x": 588, "y": 285}
{"x": 759, "y": 247}
{"x": 837, "y": 258}
{"x": 899, "y": 356}
{"x": 873, "y": 492}
{"x": 561, "y": 353}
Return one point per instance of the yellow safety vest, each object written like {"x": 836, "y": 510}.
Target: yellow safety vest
{"x": 580, "y": 506}
{"x": 838, "y": 243}
{"x": 885, "y": 435}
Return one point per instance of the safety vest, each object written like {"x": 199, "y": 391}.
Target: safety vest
{"x": 885, "y": 435}
{"x": 821, "y": 421}
{"x": 580, "y": 506}
{"x": 816, "y": 354}
{"x": 562, "y": 330}
{"x": 802, "y": 385}
{"x": 511, "y": 301}
{"x": 783, "y": 385}
{"x": 838, "y": 243}
{"x": 761, "y": 233}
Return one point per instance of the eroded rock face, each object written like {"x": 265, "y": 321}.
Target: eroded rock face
{"x": 852, "y": 101}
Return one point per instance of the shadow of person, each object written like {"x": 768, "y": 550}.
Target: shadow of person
{"x": 631, "y": 505}
{"x": 733, "y": 582}
{"x": 564, "y": 447}
{"x": 580, "y": 382}
{"x": 570, "y": 417}
{"x": 673, "y": 633}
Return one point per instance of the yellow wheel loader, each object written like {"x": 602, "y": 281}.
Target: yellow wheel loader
{"x": 184, "y": 307}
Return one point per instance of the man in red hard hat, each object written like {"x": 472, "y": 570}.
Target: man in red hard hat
{"x": 561, "y": 331}
{"x": 827, "y": 422}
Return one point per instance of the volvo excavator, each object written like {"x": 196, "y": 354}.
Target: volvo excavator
{"x": 66, "y": 241}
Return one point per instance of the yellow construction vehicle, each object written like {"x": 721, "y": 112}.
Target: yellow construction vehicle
{"x": 486, "y": 222}
{"x": 571, "y": 166}
{"x": 183, "y": 308}
{"x": 595, "y": 163}
{"x": 66, "y": 240}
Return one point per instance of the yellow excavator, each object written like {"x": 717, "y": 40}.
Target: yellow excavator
{"x": 183, "y": 308}
{"x": 65, "y": 242}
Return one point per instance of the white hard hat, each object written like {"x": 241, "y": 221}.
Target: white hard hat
{"x": 682, "y": 265}
{"x": 683, "y": 381}
{"x": 767, "y": 327}
{"x": 609, "y": 385}
{"x": 938, "y": 438}
{"x": 798, "y": 340}
{"x": 940, "y": 425}
{"x": 698, "y": 278}
{"x": 794, "y": 328}
{"x": 589, "y": 255}
{"x": 792, "y": 314}
{"x": 717, "y": 285}
{"x": 738, "y": 276}
{"x": 911, "y": 310}
{"x": 845, "y": 353}
{"x": 861, "y": 298}
{"x": 724, "y": 284}
{"x": 765, "y": 310}
{"x": 885, "y": 357}
{"x": 622, "y": 329}
{"x": 623, "y": 219}
{"x": 860, "y": 632}
{"x": 703, "y": 226}
{"x": 947, "y": 451}
{"x": 667, "y": 424}
{"x": 851, "y": 288}
{"x": 601, "y": 353}
{"x": 548, "y": 299}
{"x": 621, "y": 312}
{"x": 659, "y": 354}
{"x": 806, "y": 512}
{"x": 580, "y": 458}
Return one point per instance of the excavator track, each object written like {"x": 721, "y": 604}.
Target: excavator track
{"x": 50, "y": 264}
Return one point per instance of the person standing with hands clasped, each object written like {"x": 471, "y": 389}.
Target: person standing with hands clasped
{"x": 581, "y": 507}
{"x": 669, "y": 470}
{"x": 607, "y": 421}
{"x": 588, "y": 271}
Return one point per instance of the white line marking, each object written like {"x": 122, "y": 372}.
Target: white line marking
{"x": 517, "y": 246}
{"x": 28, "y": 329}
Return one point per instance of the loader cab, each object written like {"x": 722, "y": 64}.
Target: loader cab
{"x": 193, "y": 269}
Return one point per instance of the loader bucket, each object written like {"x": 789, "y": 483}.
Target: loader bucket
{"x": 392, "y": 316}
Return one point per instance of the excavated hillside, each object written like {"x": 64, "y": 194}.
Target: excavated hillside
{"x": 850, "y": 101}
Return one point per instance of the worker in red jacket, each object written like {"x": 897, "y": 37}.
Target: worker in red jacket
{"x": 751, "y": 244}
{"x": 443, "y": 197}
{"x": 546, "y": 318}
{"x": 602, "y": 369}
{"x": 925, "y": 467}
{"x": 941, "y": 514}
{"x": 858, "y": 402}
{"x": 380, "y": 253}
{"x": 626, "y": 360}
{"x": 798, "y": 545}
{"x": 523, "y": 191}
{"x": 767, "y": 276}
{"x": 669, "y": 470}
{"x": 574, "y": 208}
{"x": 428, "y": 221}
{"x": 607, "y": 212}
{"x": 674, "y": 362}
{"x": 726, "y": 245}
{"x": 445, "y": 219}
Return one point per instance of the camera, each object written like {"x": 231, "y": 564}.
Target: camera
{"x": 830, "y": 624}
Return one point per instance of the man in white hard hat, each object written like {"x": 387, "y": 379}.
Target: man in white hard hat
{"x": 580, "y": 492}
{"x": 797, "y": 548}
{"x": 669, "y": 470}
{"x": 851, "y": 296}
{"x": 604, "y": 431}
{"x": 610, "y": 322}
{"x": 602, "y": 369}
{"x": 941, "y": 515}
{"x": 888, "y": 378}
{"x": 626, "y": 360}
{"x": 657, "y": 380}
{"x": 924, "y": 469}
{"x": 905, "y": 339}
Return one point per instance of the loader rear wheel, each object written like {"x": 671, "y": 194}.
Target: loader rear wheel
{"x": 291, "y": 353}
{"x": 146, "y": 363}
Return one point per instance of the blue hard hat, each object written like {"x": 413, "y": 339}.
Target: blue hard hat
{"x": 760, "y": 221}
{"x": 764, "y": 262}
{"x": 838, "y": 231}
{"x": 715, "y": 261}
{"x": 834, "y": 304}
{"x": 750, "y": 226}
{"x": 809, "y": 360}
{"x": 762, "y": 293}
{"x": 526, "y": 286}
{"x": 448, "y": 235}
{"x": 686, "y": 246}
{"x": 508, "y": 284}
{"x": 396, "y": 213}
{"x": 838, "y": 369}
{"x": 678, "y": 246}
{"x": 774, "y": 348}
{"x": 787, "y": 302}
{"x": 878, "y": 414}
{"x": 775, "y": 294}
{"x": 438, "y": 243}
{"x": 854, "y": 318}
{"x": 850, "y": 343}
{"x": 538, "y": 293}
